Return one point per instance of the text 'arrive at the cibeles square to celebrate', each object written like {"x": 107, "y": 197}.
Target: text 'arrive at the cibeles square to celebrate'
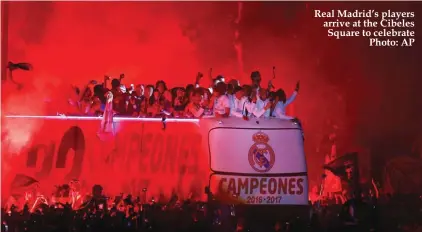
{"x": 383, "y": 29}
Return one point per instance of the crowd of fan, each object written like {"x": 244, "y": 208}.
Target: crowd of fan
{"x": 67, "y": 210}
{"x": 127, "y": 213}
{"x": 220, "y": 100}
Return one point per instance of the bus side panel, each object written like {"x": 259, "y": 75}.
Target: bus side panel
{"x": 237, "y": 150}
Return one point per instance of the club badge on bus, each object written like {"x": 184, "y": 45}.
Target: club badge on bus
{"x": 261, "y": 154}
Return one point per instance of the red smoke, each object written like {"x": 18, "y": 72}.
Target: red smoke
{"x": 70, "y": 43}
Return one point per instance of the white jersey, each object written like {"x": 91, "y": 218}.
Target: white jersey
{"x": 280, "y": 108}
{"x": 221, "y": 103}
{"x": 259, "y": 109}
{"x": 238, "y": 107}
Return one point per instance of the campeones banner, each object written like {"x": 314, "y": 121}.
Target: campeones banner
{"x": 140, "y": 155}
{"x": 281, "y": 190}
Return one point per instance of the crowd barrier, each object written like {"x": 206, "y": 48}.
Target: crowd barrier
{"x": 180, "y": 156}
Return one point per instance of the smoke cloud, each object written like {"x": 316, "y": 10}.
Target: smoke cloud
{"x": 70, "y": 43}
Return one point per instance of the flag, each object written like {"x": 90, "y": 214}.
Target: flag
{"x": 246, "y": 112}
{"x": 106, "y": 126}
{"x": 339, "y": 165}
{"x": 23, "y": 66}
{"x": 21, "y": 184}
{"x": 346, "y": 167}
{"x": 23, "y": 181}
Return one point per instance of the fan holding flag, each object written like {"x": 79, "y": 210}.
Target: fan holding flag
{"x": 106, "y": 132}
{"x": 24, "y": 189}
{"x": 346, "y": 167}
{"x": 106, "y": 126}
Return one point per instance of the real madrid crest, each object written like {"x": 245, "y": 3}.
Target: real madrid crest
{"x": 261, "y": 155}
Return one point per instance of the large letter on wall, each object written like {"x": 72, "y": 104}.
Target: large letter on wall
{"x": 72, "y": 139}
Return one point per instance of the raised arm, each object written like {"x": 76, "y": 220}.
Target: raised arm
{"x": 293, "y": 96}
{"x": 198, "y": 79}
{"x": 90, "y": 86}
